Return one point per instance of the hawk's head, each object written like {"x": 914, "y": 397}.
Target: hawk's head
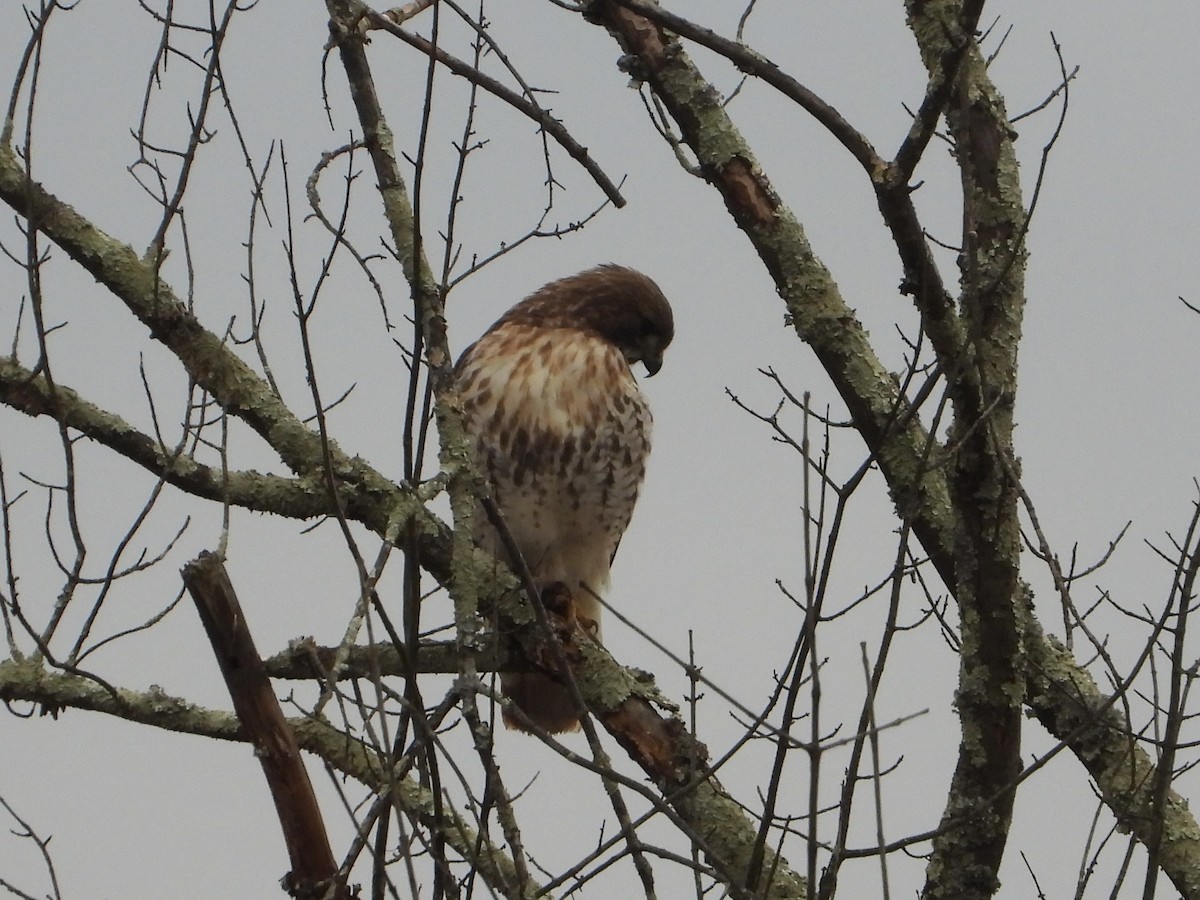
{"x": 619, "y": 304}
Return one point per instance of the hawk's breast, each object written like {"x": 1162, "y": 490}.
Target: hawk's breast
{"x": 561, "y": 431}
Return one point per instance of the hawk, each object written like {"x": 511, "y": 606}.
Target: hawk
{"x": 560, "y": 430}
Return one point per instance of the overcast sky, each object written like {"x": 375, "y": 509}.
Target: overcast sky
{"x": 1107, "y": 426}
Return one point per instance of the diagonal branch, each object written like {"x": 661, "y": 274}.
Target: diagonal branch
{"x": 33, "y": 395}
{"x": 753, "y": 63}
{"x": 958, "y": 37}
{"x": 314, "y": 871}
{"x": 525, "y": 106}
{"x": 1067, "y": 702}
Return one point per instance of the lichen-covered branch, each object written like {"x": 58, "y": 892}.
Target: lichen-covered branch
{"x": 32, "y": 394}
{"x": 1066, "y": 701}
{"x": 969, "y": 847}
{"x": 31, "y": 682}
{"x": 397, "y": 206}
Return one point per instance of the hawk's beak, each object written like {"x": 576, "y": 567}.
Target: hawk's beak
{"x": 652, "y": 362}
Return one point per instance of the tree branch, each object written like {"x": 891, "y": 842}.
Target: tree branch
{"x": 1066, "y": 700}
{"x": 304, "y": 660}
{"x": 30, "y": 682}
{"x": 525, "y": 106}
{"x": 33, "y": 395}
{"x": 969, "y": 846}
{"x": 314, "y": 871}
{"x": 753, "y": 63}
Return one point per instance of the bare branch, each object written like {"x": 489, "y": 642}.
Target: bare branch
{"x": 313, "y": 867}
{"x": 524, "y": 105}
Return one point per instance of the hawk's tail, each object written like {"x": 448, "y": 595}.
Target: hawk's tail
{"x": 545, "y": 702}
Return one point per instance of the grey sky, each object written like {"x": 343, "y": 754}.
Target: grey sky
{"x": 1108, "y": 384}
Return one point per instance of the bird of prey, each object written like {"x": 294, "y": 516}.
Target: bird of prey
{"x": 560, "y": 431}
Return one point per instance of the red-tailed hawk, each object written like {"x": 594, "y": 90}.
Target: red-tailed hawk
{"x": 561, "y": 432}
